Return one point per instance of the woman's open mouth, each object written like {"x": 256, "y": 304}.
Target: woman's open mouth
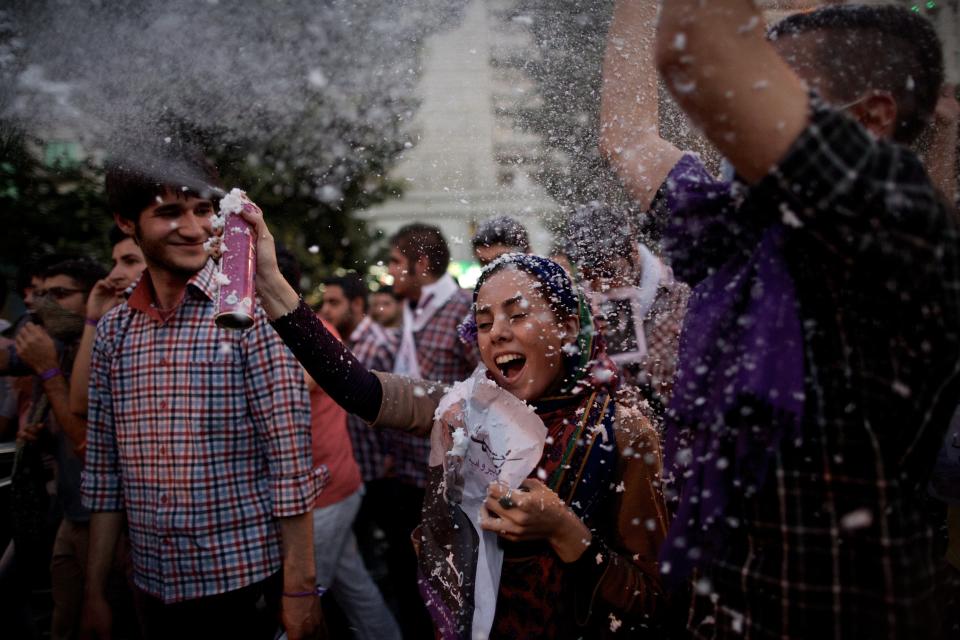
{"x": 510, "y": 365}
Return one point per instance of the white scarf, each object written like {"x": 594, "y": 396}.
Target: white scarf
{"x": 432, "y": 298}
{"x": 640, "y": 299}
{"x": 652, "y": 273}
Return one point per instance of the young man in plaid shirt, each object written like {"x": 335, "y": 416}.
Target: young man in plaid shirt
{"x": 200, "y": 436}
{"x": 819, "y": 358}
{"x": 635, "y": 298}
{"x": 430, "y": 349}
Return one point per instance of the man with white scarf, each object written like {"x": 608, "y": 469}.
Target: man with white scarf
{"x": 638, "y": 305}
{"x": 430, "y": 349}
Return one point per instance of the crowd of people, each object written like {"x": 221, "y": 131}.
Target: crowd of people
{"x": 748, "y": 408}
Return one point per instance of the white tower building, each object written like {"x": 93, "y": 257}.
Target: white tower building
{"x": 467, "y": 163}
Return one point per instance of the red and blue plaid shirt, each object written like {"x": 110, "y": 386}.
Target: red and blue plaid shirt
{"x": 444, "y": 358}
{"x": 202, "y": 435}
{"x": 375, "y": 347}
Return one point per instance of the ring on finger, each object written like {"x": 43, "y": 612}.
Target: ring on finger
{"x": 506, "y": 500}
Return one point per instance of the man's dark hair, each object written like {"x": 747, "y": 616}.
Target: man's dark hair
{"x": 387, "y": 289}
{"x": 501, "y": 230}
{"x": 596, "y": 233}
{"x": 35, "y": 268}
{"x": 133, "y": 182}
{"x": 415, "y": 240}
{"x": 289, "y": 266}
{"x": 84, "y": 271}
{"x": 117, "y": 236}
{"x": 881, "y": 48}
{"x": 352, "y": 285}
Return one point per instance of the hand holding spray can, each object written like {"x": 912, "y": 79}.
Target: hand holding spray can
{"x": 238, "y": 265}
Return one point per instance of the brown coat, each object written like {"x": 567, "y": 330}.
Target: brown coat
{"x": 630, "y": 583}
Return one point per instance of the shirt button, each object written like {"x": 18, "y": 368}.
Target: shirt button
{"x": 163, "y": 404}
{"x": 163, "y": 362}
{"x": 163, "y": 451}
{"x": 163, "y": 499}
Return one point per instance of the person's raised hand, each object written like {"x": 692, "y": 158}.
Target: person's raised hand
{"x": 276, "y": 295}
{"x": 534, "y": 512}
{"x": 36, "y": 348}
{"x": 103, "y": 297}
{"x": 267, "y": 266}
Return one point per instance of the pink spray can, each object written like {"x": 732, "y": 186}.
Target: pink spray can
{"x": 238, "y": 266}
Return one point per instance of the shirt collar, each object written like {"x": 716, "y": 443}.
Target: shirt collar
{"x": 359, "y": 330}
{"x": 144, "y": 298}
{"x": 428, "y": 291}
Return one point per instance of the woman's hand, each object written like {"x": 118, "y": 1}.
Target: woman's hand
{"x": 534, "y": 512}
{"x": 276, "y": 295}
{"x": 445, "y": 452}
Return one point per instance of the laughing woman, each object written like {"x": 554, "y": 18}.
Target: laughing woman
{"x": 580, "y": 547}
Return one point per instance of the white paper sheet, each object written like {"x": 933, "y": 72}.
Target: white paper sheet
{"x": 504, "y": 442}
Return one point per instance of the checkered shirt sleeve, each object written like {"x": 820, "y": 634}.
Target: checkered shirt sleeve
{"x": 662, "y": 331}
{"x": 279, "y": 406}
{"x": 375, "y": 350}
{"x": 102, "y": 480}
{"x": 442, "y": 357}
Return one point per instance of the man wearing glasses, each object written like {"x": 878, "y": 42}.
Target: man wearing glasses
{"x": 45, "y": 347}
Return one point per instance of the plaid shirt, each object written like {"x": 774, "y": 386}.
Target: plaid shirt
{"x": 656, "y": 371}
{"x": 375, "y": 347}
{"x": 444, "y": 358}
{"x": 202, "y": 435}
{"x": 662, "y": 329}
{"x": 835, "y": 544}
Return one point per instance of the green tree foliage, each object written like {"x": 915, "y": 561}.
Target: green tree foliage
{"x": 49, "y": 202}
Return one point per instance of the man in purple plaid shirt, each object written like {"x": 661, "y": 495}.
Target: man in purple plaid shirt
{"x": 820, "y": 356}
{"x": 199, "y": 436}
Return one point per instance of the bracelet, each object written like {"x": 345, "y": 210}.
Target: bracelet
{"x": 92, "y": 321}
{"x": 319, "y": 591}
{"x": 50, "y": 373}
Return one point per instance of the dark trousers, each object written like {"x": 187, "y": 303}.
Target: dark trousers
{"x": 403, "y": 507}
{"x": 251, "y": 612}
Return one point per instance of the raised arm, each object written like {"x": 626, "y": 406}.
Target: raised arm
{"x": 718, "y": 64}
{"x": 103, "y": 297}
{"x": 326, "y": 359}
{"x": 36, "y": 348}
{"x": 629, "y": 110}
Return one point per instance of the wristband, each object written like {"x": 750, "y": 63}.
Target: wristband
{"x": 50, "y": 373}
{"x": 319, "y": 591}
{"x": 91, "y": 321}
